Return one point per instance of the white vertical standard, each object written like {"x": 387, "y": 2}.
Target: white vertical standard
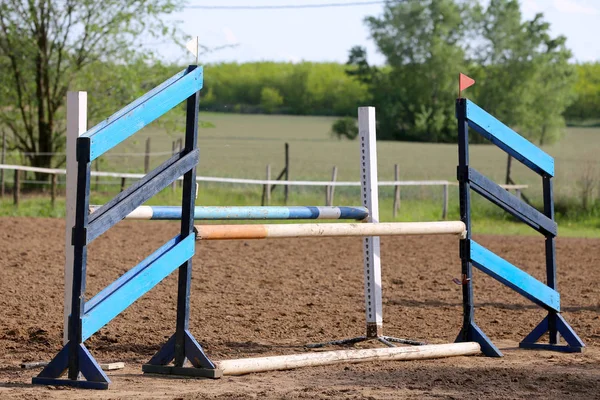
{"x": 76, "y": 126}
{"x": 370, "y": 200}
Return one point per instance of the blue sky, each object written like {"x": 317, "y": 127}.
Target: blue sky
{"x": 326, "y": 34}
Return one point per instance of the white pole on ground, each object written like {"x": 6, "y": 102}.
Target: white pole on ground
{"x": 76, "y": 126}
{"x": 370, "y": 200}
{"x": 274, "y": 363}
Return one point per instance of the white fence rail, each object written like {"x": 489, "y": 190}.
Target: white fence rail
{"x": 262, "y": 182}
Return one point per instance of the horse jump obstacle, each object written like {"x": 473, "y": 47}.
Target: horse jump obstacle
{"x": 86, "y": 318}
{"x": 247, "y": 213}
{"x": 471, "y": 253}
{"x": 230, "y": 232}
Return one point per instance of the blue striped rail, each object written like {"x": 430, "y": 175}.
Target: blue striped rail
{"x": 215, "y": 213}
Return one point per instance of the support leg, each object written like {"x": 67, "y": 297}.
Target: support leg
{"x": 89, "y": 368}
{"x": 574, "y": 344}
{"x": 182, "y": 346}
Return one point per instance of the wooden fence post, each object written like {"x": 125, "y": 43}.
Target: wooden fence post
{"x": 286, "y": 190}
{"x": 3, "y": 161}
{"x": 330, "y": 190}
{"x": 122, "y": 184}
{"x": 445, "y": 202}
{"x": 173, "y": 147}
{"x": 396, "y": 191}
{"x": 97, "y": 169}
{"x": 266, "y": 196}
{"x": 53, "y": 189}
{"x": 180, "y": 150}
{"x": 147, "y": 157}
{"x": 17, "y": 187}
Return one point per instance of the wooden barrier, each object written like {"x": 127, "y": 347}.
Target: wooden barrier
{"x": 230, "y": 232}
{"x": 263, "y": 364}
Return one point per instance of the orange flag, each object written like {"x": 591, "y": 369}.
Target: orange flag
{"x": 464, "y": 82}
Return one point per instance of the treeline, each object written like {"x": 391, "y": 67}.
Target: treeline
{"x": 587, "y": 94}
{"x": 283, "y": 88}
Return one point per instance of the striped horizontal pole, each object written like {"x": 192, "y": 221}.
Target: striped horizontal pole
{"x": 230, "y": 232}
{"x": 247, "y": 213}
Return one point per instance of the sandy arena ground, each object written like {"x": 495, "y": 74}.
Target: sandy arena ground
{"x": 252, "y": 298}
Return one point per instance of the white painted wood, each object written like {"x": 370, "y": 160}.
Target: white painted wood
{"x": 112, "y": 366}
{"x": 142, "y": 212}
{"x": 263, "y": 364}
{"x": 272, "y": 231}
{"x": 370, "y": 200}
{"x": 76, "y": 126}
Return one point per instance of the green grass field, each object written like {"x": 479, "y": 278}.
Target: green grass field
{"x": 242, "y": 145}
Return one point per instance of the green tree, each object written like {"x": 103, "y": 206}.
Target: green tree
{"x": 423, "y": 43}
{"x": 270, "y": 99}
{"x": 46, "y": 44}
{"x": 587, "y": 90}
{"x": 346, "y": 127}
{"x": 524, "y": 75}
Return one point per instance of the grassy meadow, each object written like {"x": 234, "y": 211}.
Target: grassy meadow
{"x": 241, "y": 146}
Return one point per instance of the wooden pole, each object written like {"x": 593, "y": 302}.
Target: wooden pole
{"x": 122, "y": 184}
{"x": 332, "y": 187}
{"x": 147, "y": 157}
{"x": 53, "y": 190}
{"x": 173, "y": 147}
{"x": 76, "y": 126}
{"x": 286, "y": 190}
{"x": 3, "y": 162}
{"x": 96, "y": 161}
{"x": 274, "y": 363}
{"x": 508, "y": 179}
{"x": 445, "y": 202}
{"x": 268, "y": 186}
{"x": 17, "y": 187}
{"x": 180, "y": 150}
{"x": 273, "y": 231}
{"x": 396, "y": 190}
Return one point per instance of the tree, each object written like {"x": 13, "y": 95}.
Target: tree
{"x": 45, "y": 45}
{"x": 587, "y": 89}
{"x": 524, "y": 78}
{"x": 422, "y": 42}
{"x": 345, "y": 127}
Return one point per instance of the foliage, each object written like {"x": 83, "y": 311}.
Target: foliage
{"x": 45, "y": 45}
{"x": 423, "y": 45}
{"x": 305, "y": 88}
{"x": 270, "y": 99}
{"x": 523, "y": 74}
{"x": 345, "y": 128}
{"x": 587, "y": 88}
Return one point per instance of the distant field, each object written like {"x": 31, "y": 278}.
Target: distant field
{"x": 242, "y": 145}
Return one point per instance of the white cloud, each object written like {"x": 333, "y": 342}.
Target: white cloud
{"x": 230, "y": 37}
{"x": 574, "y": 7}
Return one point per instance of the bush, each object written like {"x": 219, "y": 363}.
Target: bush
{"x": 270, "y": 99}
{"x": 345, "y": 127}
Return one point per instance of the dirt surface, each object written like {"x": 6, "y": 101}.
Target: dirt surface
{"x": 253, "y": 298}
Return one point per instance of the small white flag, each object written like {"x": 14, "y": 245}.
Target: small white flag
{"x": 192, "y": 46}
